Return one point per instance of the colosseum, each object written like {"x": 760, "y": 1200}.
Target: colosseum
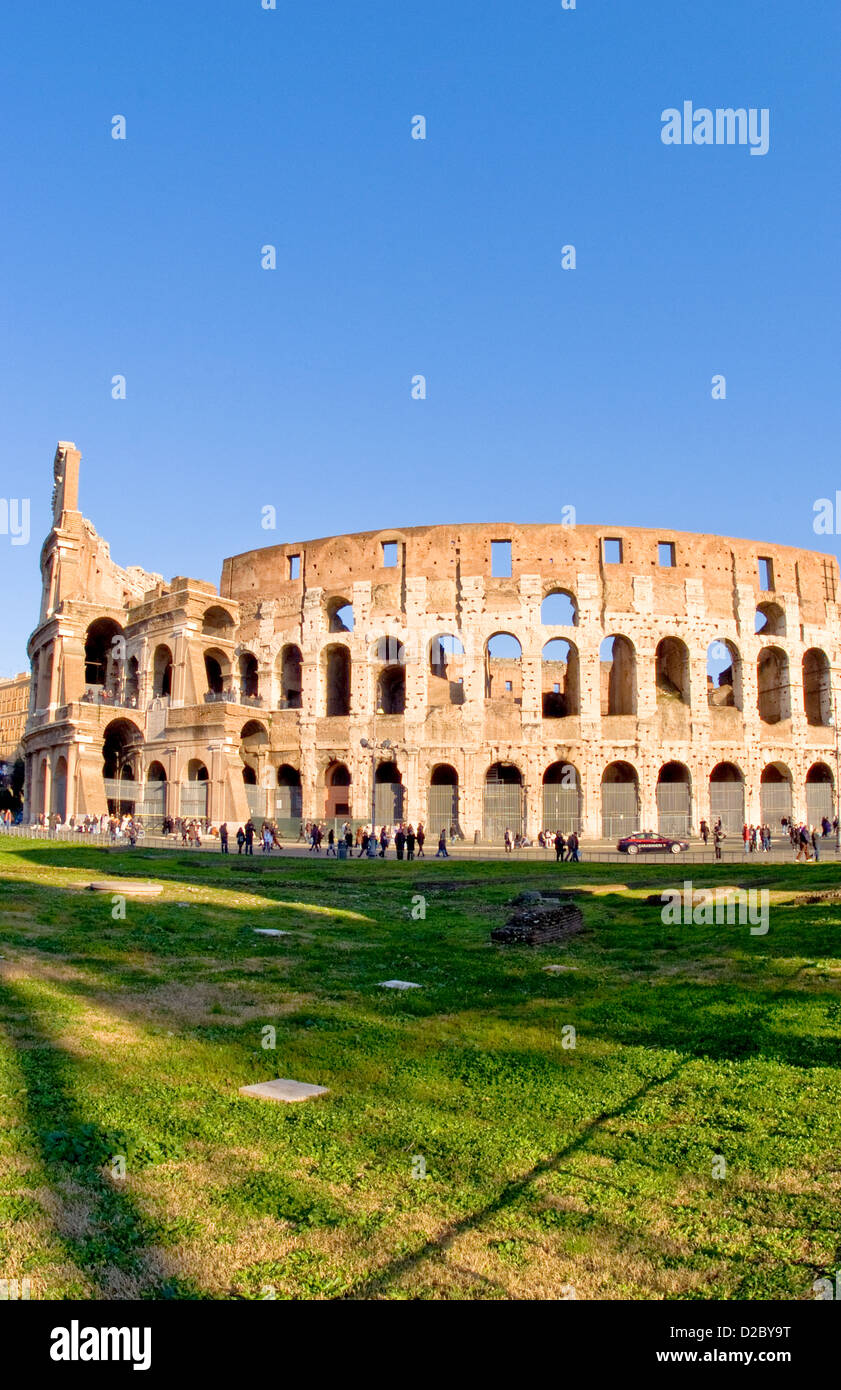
{"x": 472, "y": 676}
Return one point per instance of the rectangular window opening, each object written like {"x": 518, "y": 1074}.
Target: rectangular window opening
{"x": 612, "y": 550}
{"x": 294, "y": 567}
{"x": 666, "y": 554}
{"x": 501, "y": 559}
{"x": 766, "y": 574}
{"x": 389, "y": 554}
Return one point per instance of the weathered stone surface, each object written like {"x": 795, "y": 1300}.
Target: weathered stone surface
{"x": 398, "y": 984}
{"x": 270, "y": 931}
{"x": 284, "y": 1090}
{"x": 642, "y": 714}
{"x": 533, "y": 926}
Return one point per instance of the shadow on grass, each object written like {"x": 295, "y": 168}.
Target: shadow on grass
{"x": 72, "y": 1150}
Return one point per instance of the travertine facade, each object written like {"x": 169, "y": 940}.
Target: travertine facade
{"x": 256, "y": 698}
{"x": 14, "y": 706}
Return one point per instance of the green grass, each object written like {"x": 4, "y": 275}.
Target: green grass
{"x": 547, "y": 1167}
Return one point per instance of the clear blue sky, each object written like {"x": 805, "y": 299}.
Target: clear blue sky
{"x": 546, "y": 388}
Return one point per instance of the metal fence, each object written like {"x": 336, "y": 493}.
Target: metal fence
{"x": 620, "y": 809}
{"x": 388, "y": 803}
{"x": 774, "y": 803}
{"x": 819, "y": 802}
{"x": 502, "y": 810}
{"x": 194, "y": 800}
{"x": 674, "y": 808}
{"x": 727, "y": 804}
{"x": 563, "y": 809}
{"x": 442, "y": 809}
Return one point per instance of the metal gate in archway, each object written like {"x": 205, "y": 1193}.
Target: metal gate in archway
{"x": 503, "y": 809}
{"x": 388, "y": 803}
{"x": 819, "y": 802}
{"x": 442, "y": 808}
{"x": 194, "y": 800}
{"x": 562, "y": 808}
{"x": 727, "y": 804}
{"x": 153, "y": 806}
{"x": 774, "y": 803}
{"x": 674, "y": 808}
{"x": 620, "y": 809}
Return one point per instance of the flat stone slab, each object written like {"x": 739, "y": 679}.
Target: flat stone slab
{"x": 128, "y": 887}
{"x": 284, "y": 1090}
{"x": 398, "y": 984}
{"x": 558, "y": 969}
{"x": 270, "y": 931}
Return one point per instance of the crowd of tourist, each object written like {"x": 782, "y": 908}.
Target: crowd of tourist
{"x": 364, "y": 842}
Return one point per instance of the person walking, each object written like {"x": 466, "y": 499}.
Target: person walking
{"x": 410, "y": 843}
{"x": 746, "y": 838}
{"x": 400, "y": 841}
{"x": 718, "y": 836}
{"x": 560, "y": 846}
{"x": 383, "y": 842}
{"x": 249, "y": 836}
{"x": 442, "y": 846}
{"x": 363, "y": 843}
{"x": 816, "y": 848}
{"x": 507, "y": 840}
{"x": 705, "y": 832}
{"x": 421, "y": 836}
{"x": 223, "y": 837}
{"x": 572, "y": 847}
{"x": 240, "y": 837}
{"x": 331, "y": 842}
{"x": 802, "y": 844}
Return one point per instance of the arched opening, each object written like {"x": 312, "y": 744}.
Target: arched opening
{"x": 249, "y": 676}
{"x": 618, "y": 674}
{"x": 291, "y": 682}
{"x": 391, "y": 690}
{"x": 504, "y": 801}
{"x": 773, "y": 694}
{"x": 775, "y": 795}
{"x": 194, "y": 792}
{"x": 563, "y": 802}
{"x": 337, "y": 790}
{"x": 671, "y": 671}
{"x": 817, "y": 690}
{"x": 337, "y": 680}
{"x": 103, "y": 655}
{"x": 770, "y": 620}
{"x": 727, "y": 798}
{"x": 389, "y": 796}
{"x": 162, "y": 672}
{"x": 217, "y": 622}
{"x": 154, "y": 796}
{"x": 218, "y": 672}
{"x": 288, "y": 798}
{"x": 339, "y": 615}
{"x": 132, "y": 690}
{"x": 446, "y": 670}
{"x": 249, "y": 776}
{"x": 560, "y": 679}
{"x": 820, "y": 794}
{"x": 442, "y": 800}
{"x": 503, "y": 668}
{"x": 60, "y": 788}
{"x": 559, "y": 609}
{"x": 120, "y": 757}
{"x": 620, "y": 800}
{"x": 674, "y": 800}
{"x": 724, "y": 675}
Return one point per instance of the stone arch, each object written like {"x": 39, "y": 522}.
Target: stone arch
{"x": 217, "y": 668}
{"x": 559, "y": 609}
{"x": 671, "y": 670}
{"x": 727, "y": 798}
{"x": 339, "y": 613}
{"x": 391, "y": 690}
{"x": 770, "y": 620}
{"x": 443, "y": 800}
{"x": 102, "y": 663}
{"x": 132, "y": 688}
{"x": 194, "y": 792}
{"x": 817, "y": 687}
{"x": 504, "y": 668}
{"x": 724, "y": 675}
{"x": 249, "y": 676}
{"x": 289, "y": 796}
{"x": 217, "y": 622}
{"x": 161, "y": 671}
{"x": 618, "y": 668}
{"x": 820, "y": 794}
{"x": 560, "y": 683}
{"x": 249, "y": 775}
{"x": 154, "y": 793}
{"x": 775, "y": 794}
{"x": 674, "y": 799}
{"x": 773, "y": 690}
{"x": 446, "y": 670}
{"x": 290, "y": 668}
{"x": 121, "y": 744}
{"x": 503, "y": 801}
{"x": 59, "y": 791}
{"x": 336, "y": 668}
{"x": 389, "y": 793}
{"x": 620, "y": 800}
{"x": 563, "y": 801}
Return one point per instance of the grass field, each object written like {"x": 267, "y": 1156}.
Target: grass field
{"x": 549, "y": 1168}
